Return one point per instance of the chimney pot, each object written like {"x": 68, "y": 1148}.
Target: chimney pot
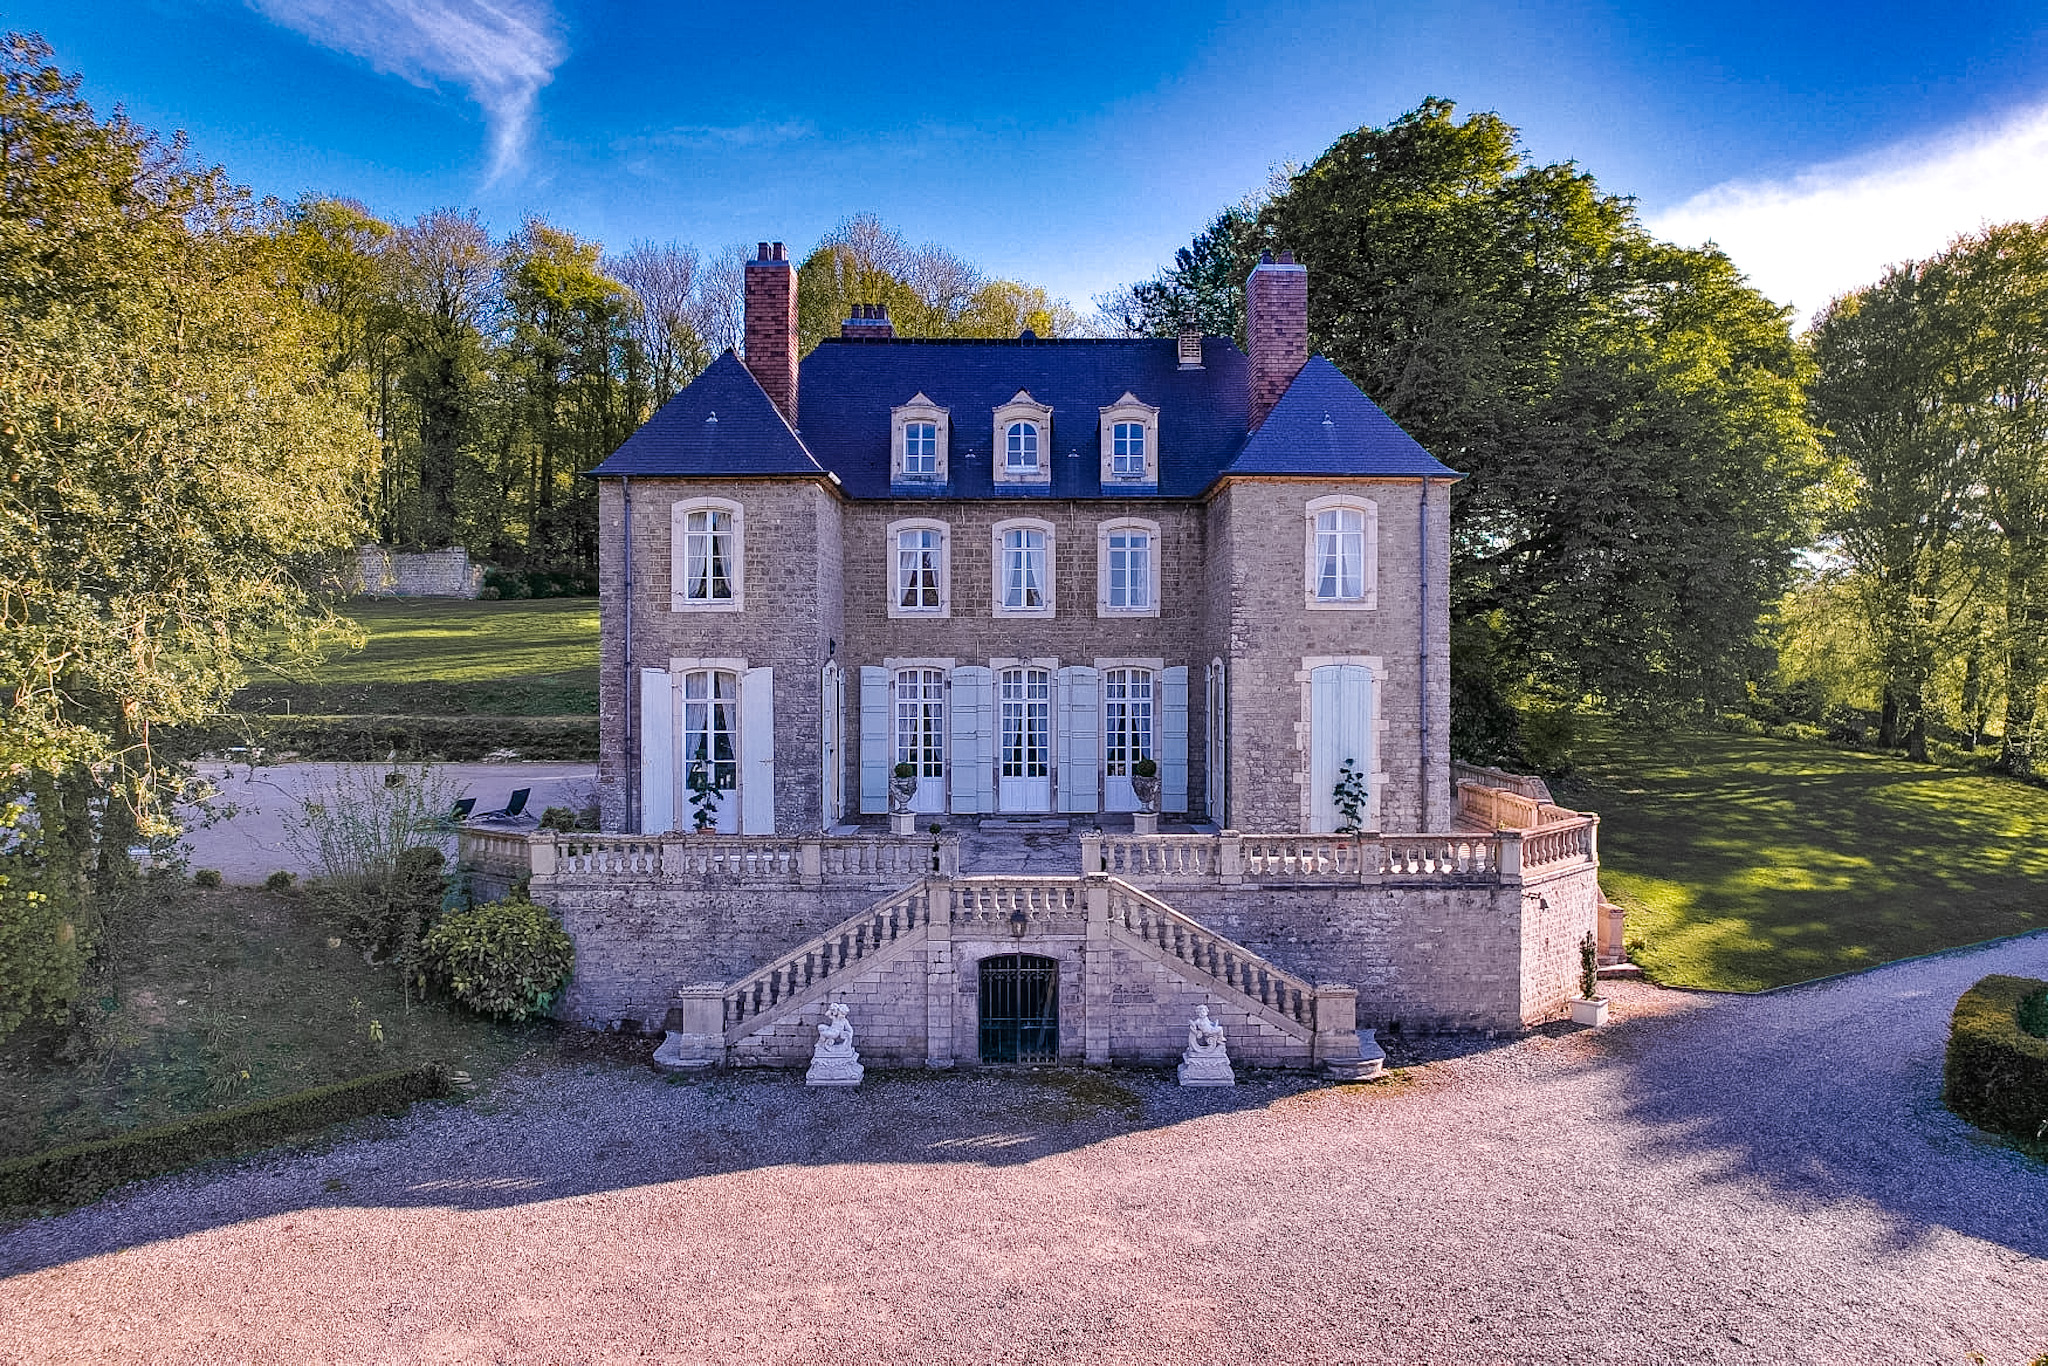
{"x": 1265, "y": 258}
{"x": 780, "y": 253}
{"x": 761, "y": 252}
{"x": 1190, "y": 348}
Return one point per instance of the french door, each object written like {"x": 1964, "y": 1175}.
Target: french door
{"x": 921, "y": 733}
{"x": 710, "y": 736}
{"x": 1024, "y": 759}
{"x": 1126, "y": 733}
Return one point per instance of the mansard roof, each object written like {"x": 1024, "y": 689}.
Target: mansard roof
{"x": 1322, "y": 425}
{"x": 721, "y": 423}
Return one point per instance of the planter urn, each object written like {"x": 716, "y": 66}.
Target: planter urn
{"x": 1146, "y": 790}
{"x": 1590, "y": 1011}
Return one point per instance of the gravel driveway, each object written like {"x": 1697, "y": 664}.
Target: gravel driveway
{"x": 1713, "y": 1179}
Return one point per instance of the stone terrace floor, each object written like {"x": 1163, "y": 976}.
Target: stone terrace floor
{"x": 1710, "y": 1179}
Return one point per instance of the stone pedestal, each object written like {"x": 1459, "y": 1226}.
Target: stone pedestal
{"x": 1207, "y": 1060}
{"x": 1144, "y": 822}
{"x": 695, "y": 1030}
{"x": 1371, "y": 1061}
{"x": 834, "y": 1063}
{"x": 903, "y": 823}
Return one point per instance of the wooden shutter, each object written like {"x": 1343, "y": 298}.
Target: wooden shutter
{"x": 1173, "y": 738}
{"x": 657, "y": 752}
{"x": 875, "y": 749}
{"x": 1340, "y": 728}
{"x": 971, "y": 738}
{"x": 1079, "y": 740}
{"x": 757, "y": 752}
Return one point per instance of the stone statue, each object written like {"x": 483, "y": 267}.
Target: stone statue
{"x": 833, "y": 1061}
{"x": 1206, "y": 1061}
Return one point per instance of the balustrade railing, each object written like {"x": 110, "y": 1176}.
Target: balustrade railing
{"x": 1300, "y": 858}
{"x": 1567, "y": 841}
{"x": 832, "y": 954}
{"x": 1232, "y": 967}
{"x": 1159, "y": 858}
{"x": 994, "y": 903}
{"x": 809, "y": 861}
{"x": 620, "y": 856}
{"x": 1459, "y": 856}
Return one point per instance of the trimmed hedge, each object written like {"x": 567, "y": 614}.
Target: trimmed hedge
{"x": 1997, "y": 1072}
{"x": 83, "y": 1172}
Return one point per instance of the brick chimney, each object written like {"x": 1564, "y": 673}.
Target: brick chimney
{"x": 1276, "y": 324}
{"x": 870, "y": 322}
{"x": 771, "y": 325}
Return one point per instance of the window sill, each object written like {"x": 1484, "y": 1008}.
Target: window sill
{"x": 681, "y": 605}
{"x": 920, "y": 613}
{"x": 1040, "y": 613}
{"x": 1368, "y": 603}
{"x": 1135, "y": 612}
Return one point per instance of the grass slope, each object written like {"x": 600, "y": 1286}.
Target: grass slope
{"x": 440, "y": 657}
{"x": 218, "y": 998}
{"x": 1747, "y": 863}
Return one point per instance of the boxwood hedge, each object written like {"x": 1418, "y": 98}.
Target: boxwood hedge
{"x": 84, "y": 1171}
{"x": 1997, "y": 1072}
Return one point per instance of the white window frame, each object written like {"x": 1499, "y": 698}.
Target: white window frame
{"x": 999, "y": 568}
{"x": 1369, "y": 569}
{"x": 1103, "y": 531}
{"x": 919, "y": 409}
{"x": 1021, "y": 408}
{"x": 679, "y": 557}
{"x": 895, "y": 552}
{"x": 1130, "y": 409}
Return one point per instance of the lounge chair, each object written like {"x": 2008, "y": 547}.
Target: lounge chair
{"x": 514, "y": 808}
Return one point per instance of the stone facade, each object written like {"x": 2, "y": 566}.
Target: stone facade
{"x": 382, "y": 572}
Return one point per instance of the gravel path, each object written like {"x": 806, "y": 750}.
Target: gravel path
{"x": 1712, "y": 1179}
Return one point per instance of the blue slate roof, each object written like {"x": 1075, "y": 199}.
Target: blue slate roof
{"x": 846, "y": 389}
{"x": 721, "y": 423}
{"x": 1324, "y": 424}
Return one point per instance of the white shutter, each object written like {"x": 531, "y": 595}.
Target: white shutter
{"x": 1080, "y": 743}
{"x": 971, "y": 721}
{"x": 875, "y": 749}
{"x": 1173, "y": 738}
{"x": 1340, "y": 728}
{"x": 657, "y": 752}
{"x": 757, "y": 752}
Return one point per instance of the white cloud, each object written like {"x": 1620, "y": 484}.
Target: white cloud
{"x": 500, "y": 51}
{"x": 1836, "y": 227}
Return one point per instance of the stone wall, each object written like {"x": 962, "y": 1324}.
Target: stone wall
{"x": 382, "y": 572}
{"x": 1557, "y": 913}
{"x": 1258, "y": 545}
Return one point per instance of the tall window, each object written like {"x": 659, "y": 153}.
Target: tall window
{"x": 1021, "y": 447}
{"x": 707, "y": 556}
{"x": 1130, "y": 570}
{"x": 920, "y": 448}
{"x": 1340, "y": 555}
{"x": 921, "y": 720}
{"x": 1127, "y": 706}
{"x": 1024, "y": 569}
{"x": 1127, "y": 450}
{"x": 710, "y": 728}
{"x": 918, "y": 552}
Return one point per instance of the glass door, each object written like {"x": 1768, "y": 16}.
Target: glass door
{"x": 711, "y": 760}
{"x": 1126, "y": 733}
{"x": 921, "y": 733}
{"x": 1024, "y": 768}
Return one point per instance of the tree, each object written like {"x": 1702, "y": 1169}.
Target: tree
{"x": 663, "y": 280}
{"x": 441, "y": 281}
{"x": 177, "y": 459}
{"x": 1629, "y": 414}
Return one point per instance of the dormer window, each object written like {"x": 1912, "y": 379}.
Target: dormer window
{"x": 919, "y": 433}
{"x": 1023, "y": 432}
{"x": 1130, "y": 442}
{"x": 1020, "y": 450}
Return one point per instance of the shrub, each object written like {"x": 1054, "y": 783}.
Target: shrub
{"x": 1145, "y": 767}
{"x": 508, "y": 958}
{"x": 84, "y": 1171}
{"x": 206, "y": 877}
{"x": 906, "y": 770}
{"x": 280, "y": 881}
{"x": 568, "y": 818}
{"x": 1997, "y": 1072}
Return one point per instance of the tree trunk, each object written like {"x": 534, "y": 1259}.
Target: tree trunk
{"x": 1888, "y": 720}
{"x": 2024, "y": 622}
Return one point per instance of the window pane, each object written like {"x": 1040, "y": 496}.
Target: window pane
{"x": 1022, "y": 446}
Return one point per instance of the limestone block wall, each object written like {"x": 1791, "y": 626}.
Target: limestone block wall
{"x": 1258, "y": 534}
{"x": 1557, "y": 913}
{"x": 791, "y": 622}
{"x": 386, "y": 573}
{"x": 1151, "y": 1006}
{"x": 886, "y": 1007}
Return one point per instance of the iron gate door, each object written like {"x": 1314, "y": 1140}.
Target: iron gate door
{"x": 1020, "y": 1008}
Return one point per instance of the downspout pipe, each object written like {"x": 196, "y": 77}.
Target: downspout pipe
{"x": 632, "y": 690}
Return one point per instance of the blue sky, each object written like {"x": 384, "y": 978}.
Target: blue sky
{"x": 1077, "y": 145}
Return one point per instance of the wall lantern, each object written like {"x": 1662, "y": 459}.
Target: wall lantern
{"x": 1017, "y": 923}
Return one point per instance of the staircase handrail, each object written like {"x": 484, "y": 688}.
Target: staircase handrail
{"x": 825, "y": 956}
{"x": 1269, "y": 989}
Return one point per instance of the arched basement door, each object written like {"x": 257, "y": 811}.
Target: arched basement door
{"x": 1020, "y": 1008}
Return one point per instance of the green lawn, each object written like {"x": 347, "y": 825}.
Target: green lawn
{"x": 217, "y": 998}
{"x": 1747, "y": 863}
{"x": 444, "y": 657}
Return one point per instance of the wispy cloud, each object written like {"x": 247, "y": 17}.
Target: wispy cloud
{"x": 1836, "y": 227}
{"x": 694, "y": 135}
{"x": 500, "y": 51}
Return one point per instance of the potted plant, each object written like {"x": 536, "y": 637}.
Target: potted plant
{"x": 902, "y": 787}
{"x": 1145, "y": 783}
{"x": 1350, "y": 797}
{"x": 1591, "y": 1007}
{"x": 703, "y": 802}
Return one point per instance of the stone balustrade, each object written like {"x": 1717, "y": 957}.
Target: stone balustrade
{"x": 831, "y": 955}
{"x": 1160, "y": 859}
{"x": 549, "y": 856}
{"x": 1235, "y": 859}
{"x": 1047, "y": 905}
